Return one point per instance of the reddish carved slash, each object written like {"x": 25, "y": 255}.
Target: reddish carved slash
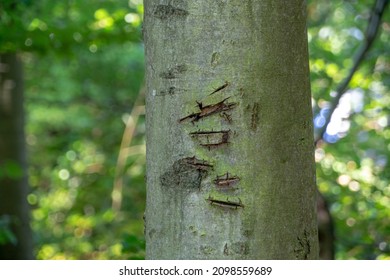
{"x": 226, "y": 181}
{"x": 209, "y": 110}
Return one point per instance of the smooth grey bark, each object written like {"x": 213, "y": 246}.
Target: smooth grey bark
{"x": 230, "y": 167}
{"x": 14, "y": 183}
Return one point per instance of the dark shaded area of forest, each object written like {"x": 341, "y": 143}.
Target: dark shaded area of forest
{"x": 72, "y": 128}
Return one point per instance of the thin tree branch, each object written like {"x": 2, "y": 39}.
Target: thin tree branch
{"x": 128, "y": 133}
{"x": 371, "y": 32}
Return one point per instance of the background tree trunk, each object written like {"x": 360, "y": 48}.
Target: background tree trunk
{"x": 230, "y": 167}
{"x": 325, "y": 229}
{"x": 13, "y": 175}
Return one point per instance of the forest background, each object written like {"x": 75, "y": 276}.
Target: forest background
{"x": 85, "y": 125}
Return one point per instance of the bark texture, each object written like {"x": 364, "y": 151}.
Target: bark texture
{"x": 13, "y": 178}
{"x": 230, "y": 169}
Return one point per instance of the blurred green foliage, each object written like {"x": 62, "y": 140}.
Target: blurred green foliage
{"x": 84, "y": 72}
{"x": 10, "y": 170}
{"x": 353, "y": 169}
{"x": 75, "y": 125}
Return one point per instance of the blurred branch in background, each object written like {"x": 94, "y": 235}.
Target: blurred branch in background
{"x": 125, "y": 150}
{"x": 371, "y": 32}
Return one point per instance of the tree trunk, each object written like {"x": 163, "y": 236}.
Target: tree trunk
{"x": 14, "y": 210}
{"x": 230, "y": 168}
{"x": 326, "y": 237}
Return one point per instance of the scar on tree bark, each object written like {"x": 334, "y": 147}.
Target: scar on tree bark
{"x": 220, "y": 88}
{"x": 225, "y": 203}
{"x": 209, "y": 110}
{"x": 198, "y": 163}
{"x": 226, "y": 181}
{"x": 210, "y": 139}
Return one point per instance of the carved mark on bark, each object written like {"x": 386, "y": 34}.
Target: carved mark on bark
{"x": 185, "y": 174}
{"x": 174, "y": 72}
{"x": 198, "y": 163}
{"x": 303, "y": 247}
{"x": 220, "y": 88}
{"x": 226, "y": 181}
{"x": 226, "y": 203}
{"x": 211, "y": 139}
{"x": 164, "y": 12}
{"x": 209, "y": 110}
